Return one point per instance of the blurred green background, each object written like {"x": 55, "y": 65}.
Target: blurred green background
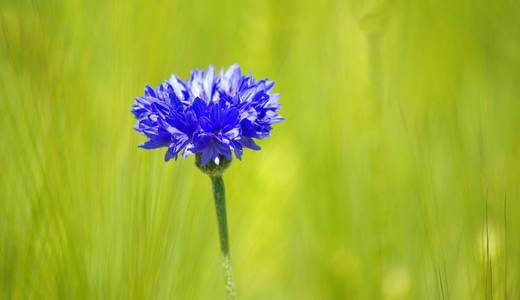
{"x": 395, "y": 176}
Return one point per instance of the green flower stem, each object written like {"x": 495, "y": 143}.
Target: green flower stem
{"x": 220, "y": 206}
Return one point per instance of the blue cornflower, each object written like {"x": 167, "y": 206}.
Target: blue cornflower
{"x": 208, "y": 115}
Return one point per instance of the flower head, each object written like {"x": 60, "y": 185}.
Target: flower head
{"x": 208, "y": 115}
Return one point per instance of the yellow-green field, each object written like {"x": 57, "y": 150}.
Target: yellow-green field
{"x": 396, "y": 174}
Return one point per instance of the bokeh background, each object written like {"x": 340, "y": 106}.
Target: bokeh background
{"x": 395, "y": 176}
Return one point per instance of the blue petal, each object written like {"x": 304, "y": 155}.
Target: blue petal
{"x": 199, "y": 107}
{"x": 249, "y": 143}
{"x": 179, "y": 88}
{"x": 237, "y": 147}
{"x": 156, "y": 143}
{"x": 208, "y": 156}
{"x": 170, "y": 154}
{"x": 149, "y": 91}
{"x": 223, "y": 149}
{"x": 209, "y": 83}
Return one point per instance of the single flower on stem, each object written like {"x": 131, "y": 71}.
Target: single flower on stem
{"x": 210, "y": 116}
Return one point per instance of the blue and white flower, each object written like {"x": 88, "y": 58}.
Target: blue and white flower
{"x": 208, "y": 115}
